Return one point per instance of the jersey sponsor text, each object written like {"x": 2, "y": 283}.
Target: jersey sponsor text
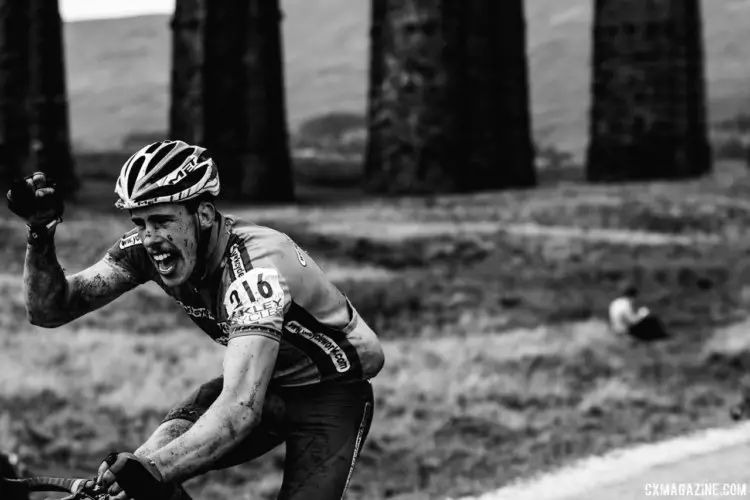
{"x": 257, "y": 312}
{"x": 326, "y": 344}
{"x": 236, "y": 258}
{"x": 130, "y": 241}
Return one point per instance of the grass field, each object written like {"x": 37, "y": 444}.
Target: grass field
{"x": 491, "y": 307}
{"x": 118, "y": 70}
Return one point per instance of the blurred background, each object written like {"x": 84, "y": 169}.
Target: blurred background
{"x": 481, "y": 178}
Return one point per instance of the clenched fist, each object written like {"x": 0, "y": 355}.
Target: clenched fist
{"x": 35, "y": 200}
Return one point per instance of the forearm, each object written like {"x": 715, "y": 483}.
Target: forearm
{"x": 220, "y": 428}
{"x": 45, "y": 286}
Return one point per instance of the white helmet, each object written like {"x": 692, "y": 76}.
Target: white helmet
{"x": 166, "y": 172}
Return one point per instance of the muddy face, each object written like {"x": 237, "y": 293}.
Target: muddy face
{"x": 169, "y": 234}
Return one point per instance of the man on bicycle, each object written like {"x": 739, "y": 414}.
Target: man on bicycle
{"x": 298, "y": 355}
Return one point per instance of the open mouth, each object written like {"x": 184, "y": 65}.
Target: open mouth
{"x": 165, "y": 262}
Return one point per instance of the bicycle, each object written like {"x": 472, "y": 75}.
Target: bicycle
{"x": 14, "y": 486}
{"x": 77, "y": 489}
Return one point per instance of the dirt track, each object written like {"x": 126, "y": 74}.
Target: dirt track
{"x": 720, "y": 456}
{"x": 725, "y": 466}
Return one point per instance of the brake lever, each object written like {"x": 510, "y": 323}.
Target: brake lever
{"x": 83, "y": 493}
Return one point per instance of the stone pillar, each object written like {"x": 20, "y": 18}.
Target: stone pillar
{"x": 498, "y": 129}
{"x": 648, "y": 115}
{"x": 448, "y": 104}
{"x": 15, "y": 131}
{"x": 186, "y": 114}
{"x": 228, "y": 94}
{"x": 51, "y": 148}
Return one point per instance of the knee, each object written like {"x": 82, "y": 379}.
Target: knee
{"x": 166, "y": 433}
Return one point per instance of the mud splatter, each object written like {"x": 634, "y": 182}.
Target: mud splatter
{"x": 52, "y": 299}
{"x": 232, "y": 431}
{"x": 252, "y": 402}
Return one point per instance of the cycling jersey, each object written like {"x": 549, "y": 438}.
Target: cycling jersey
{"x": 259, "y": 282}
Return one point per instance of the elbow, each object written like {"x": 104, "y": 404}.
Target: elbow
{"x": 373, "y": 354}
{"x": 380, "y": 358}
{"x": 375, "y": 362}
{"x": 35, "y": 318}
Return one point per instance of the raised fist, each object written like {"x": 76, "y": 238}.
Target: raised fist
{"x": 35, "y": 200}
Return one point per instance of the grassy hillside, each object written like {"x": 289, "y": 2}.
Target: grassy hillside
{"x": 119, "y": 69}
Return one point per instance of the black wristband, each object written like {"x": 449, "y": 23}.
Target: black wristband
{"x": 40, "y": 234}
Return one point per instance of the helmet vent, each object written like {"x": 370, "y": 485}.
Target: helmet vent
{"x": 137, "y": 164}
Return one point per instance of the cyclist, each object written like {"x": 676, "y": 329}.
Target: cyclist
{"x": 298, "y": 356}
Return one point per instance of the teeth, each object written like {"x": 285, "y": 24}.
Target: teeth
{"x": 160, "y": 257}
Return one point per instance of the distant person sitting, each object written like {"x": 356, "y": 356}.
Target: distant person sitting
{"x": 639, "y": 324}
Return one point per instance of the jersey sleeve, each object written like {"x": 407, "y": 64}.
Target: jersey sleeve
{"x": 128, "y": 254}
{"x": 264, "y": 277}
